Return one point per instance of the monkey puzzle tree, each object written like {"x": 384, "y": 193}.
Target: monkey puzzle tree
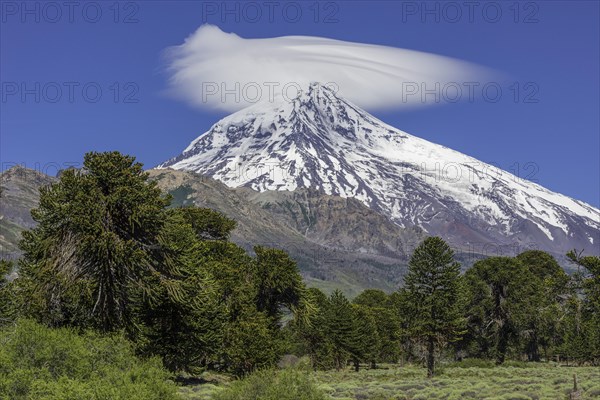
{"x": 278, "y": 282}
{"x": 587, "y": 327}
{"x": 541, "y": 326}
{"x": 184, "y": 326}
{"x": 340, "y": 328}
{"x": 387, "y": 324}
{"x": 312, "y": 334}
{"x": 364, "y": 339}
{"x": 95, "y": 244}
{"x": 432, "y": 291}
{"x": 500, "y": 292}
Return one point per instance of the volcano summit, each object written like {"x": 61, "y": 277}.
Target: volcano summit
{"x": 323, "y": 142}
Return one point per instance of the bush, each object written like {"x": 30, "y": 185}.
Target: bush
{"x": 471, "y": 363}
{"x": 288, "y": 384}
{"x": 37, "y": 362}
{"x": 520, "y": 364}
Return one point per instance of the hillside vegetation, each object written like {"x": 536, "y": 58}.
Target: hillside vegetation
{"x": 37, "y": 362}
{"x": 120, "y": 294}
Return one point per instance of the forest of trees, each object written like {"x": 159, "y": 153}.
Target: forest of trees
{"x": 109, "y": 255}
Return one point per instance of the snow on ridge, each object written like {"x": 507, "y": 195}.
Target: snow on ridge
{"x": 322, "y": 141}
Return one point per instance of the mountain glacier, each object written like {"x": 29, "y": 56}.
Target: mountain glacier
{"x": 321, "y": 141}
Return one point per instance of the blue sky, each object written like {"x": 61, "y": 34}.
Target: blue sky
{"x": 545, "y": 126}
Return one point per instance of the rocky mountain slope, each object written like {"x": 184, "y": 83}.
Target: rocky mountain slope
{"x": 323, "y": 143}
{"x": 19, "y": 193}
{"x": 342, "y": 223}
{"x": 337, "y": 242}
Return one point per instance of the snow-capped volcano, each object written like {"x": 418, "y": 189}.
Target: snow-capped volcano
{"x": 321, "y": 141}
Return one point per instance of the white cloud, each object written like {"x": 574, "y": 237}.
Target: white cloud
{"x": 218, "y": 70}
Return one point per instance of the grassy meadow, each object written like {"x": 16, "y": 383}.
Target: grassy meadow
{"x": 454, "y": 381}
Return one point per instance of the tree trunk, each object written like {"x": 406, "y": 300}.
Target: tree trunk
{"x": 533, "y": 353}
{"x": 502, "y": 345}
{"x": 501, "y": 352}
{"x": 430, "y": 356}
{"x": 501, "y": 318}
{"x": 356, "y": 365}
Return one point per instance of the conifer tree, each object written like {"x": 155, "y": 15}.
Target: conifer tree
{"x": 432, "y": 289}
{"x": 500, "y": 292}
{"x": 589, "y": 329}
{"x": 95, "y": 243}
{"x": 341, "y": 328}
{"x": 549, "y": 289}
{"x": 387, "y": 323}
{"x": 278, "y": 282}
{"x": 364, "y": 338}
{"x": 313, "y": 333}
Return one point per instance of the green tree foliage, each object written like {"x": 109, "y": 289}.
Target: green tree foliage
{"x": 541, "y": 324}
{"x": 254, "y": 292}
{"x": 208, "y": 224}
{"x": 278, "y": 282}
{"x": 231, "y": 268}
{"x": 338, "y": 331}
{"x": 229, "y": 315}
{"x": 249, "y": 338}
{"x": 576, "y": 335}
{"x": 108, "y": 253}
{"x": 545, "y": 267}
{"x": 184, "y": 326}
{"x": 95, "y": 243}
{"x": 499, "y": 290}
{"x": 433, "y": 296}
{"x": 6, "y": 298}
{"x": 250, "y": 343}
{"x": 311, "y": 335}
{"x": 384, "y": 311}
{"x": 364, "y": 340}
{"x": 340, "y": 328}
{"x": 584, "y": 333}
{"x": 37, "y": 362}
{"x": 372, "y": 298}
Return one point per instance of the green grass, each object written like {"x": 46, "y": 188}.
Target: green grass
{"x": 455, "y": 381}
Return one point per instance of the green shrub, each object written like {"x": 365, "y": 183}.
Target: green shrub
{"x": 37, "y": 362}
{"x": 520, "y": 364}
{"x": 470, "y": 363}
{"x": 288, "y": 384}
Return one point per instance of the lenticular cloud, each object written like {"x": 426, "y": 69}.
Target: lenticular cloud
{"x": 218, "y": 70}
